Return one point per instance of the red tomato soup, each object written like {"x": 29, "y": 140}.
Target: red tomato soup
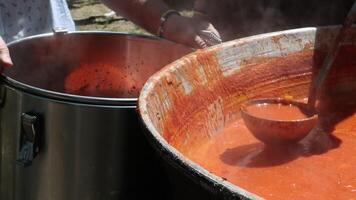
{"x": 276, "y": 111}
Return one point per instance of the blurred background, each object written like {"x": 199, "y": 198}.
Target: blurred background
{"x": 93, "y": 15}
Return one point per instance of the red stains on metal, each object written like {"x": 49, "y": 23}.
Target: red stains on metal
{"x": 225, "y": 94}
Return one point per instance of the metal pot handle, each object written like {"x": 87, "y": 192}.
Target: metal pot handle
{"x": 29, "y": 139}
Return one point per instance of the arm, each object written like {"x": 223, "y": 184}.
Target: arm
{"x": 145, "y": 13}
{"x": 180, "y": 29}
{"x": 5, "y": 60}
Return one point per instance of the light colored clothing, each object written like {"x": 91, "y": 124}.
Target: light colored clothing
{"x": 22, "y": 18}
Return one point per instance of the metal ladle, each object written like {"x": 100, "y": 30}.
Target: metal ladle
{"x": 288, "y": 131}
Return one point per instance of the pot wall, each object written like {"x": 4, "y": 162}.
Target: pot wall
{"x": 86, "y": 152}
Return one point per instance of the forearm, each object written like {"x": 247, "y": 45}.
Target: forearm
{"x": 5, "y": 60}
{"x": 145, "y": 13}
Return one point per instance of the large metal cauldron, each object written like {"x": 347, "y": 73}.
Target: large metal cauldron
{"x": 186, "y": 104}
{"x": 61, "y": 146}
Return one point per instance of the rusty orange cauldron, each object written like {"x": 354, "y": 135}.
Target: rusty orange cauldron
{"x": 191, "y": 113}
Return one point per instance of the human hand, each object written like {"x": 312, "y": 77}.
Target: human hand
{"x": 5, "y": 60}
{"x": 192, "y": 31}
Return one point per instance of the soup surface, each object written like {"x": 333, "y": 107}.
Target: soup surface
{"x": 100, "y": 80}
{"x": 285, "y": 172}
{"x": 276, "y": 111}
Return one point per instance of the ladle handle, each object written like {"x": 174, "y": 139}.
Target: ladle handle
{"x": 329, "y": 60}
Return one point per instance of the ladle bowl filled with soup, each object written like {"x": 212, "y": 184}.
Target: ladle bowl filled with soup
{"x": 268, "y": 120}
{"x": 191, "y": 111}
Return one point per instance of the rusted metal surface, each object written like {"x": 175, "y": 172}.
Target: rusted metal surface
{"x": 191, "y": 100}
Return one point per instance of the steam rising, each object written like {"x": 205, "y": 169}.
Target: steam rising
{"x": 240, "y": 18}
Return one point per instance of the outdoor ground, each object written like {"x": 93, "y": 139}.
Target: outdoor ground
{"x": 93, "y": 15}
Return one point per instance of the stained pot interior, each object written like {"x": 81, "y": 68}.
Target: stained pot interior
{"x": 188, "y": 103}
{"x": 45, "y": 62}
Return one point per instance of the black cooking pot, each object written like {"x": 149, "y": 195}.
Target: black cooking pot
{"x": 69, "y": 134}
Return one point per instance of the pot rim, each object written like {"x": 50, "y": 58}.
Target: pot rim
{"x": 125, "y": 101}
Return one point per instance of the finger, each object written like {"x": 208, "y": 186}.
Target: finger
{"x": 210, "y": 37}
{"x": 212, "y": 29}
{"x": 200, "y": 43}
{"x": 5, "y": 59}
